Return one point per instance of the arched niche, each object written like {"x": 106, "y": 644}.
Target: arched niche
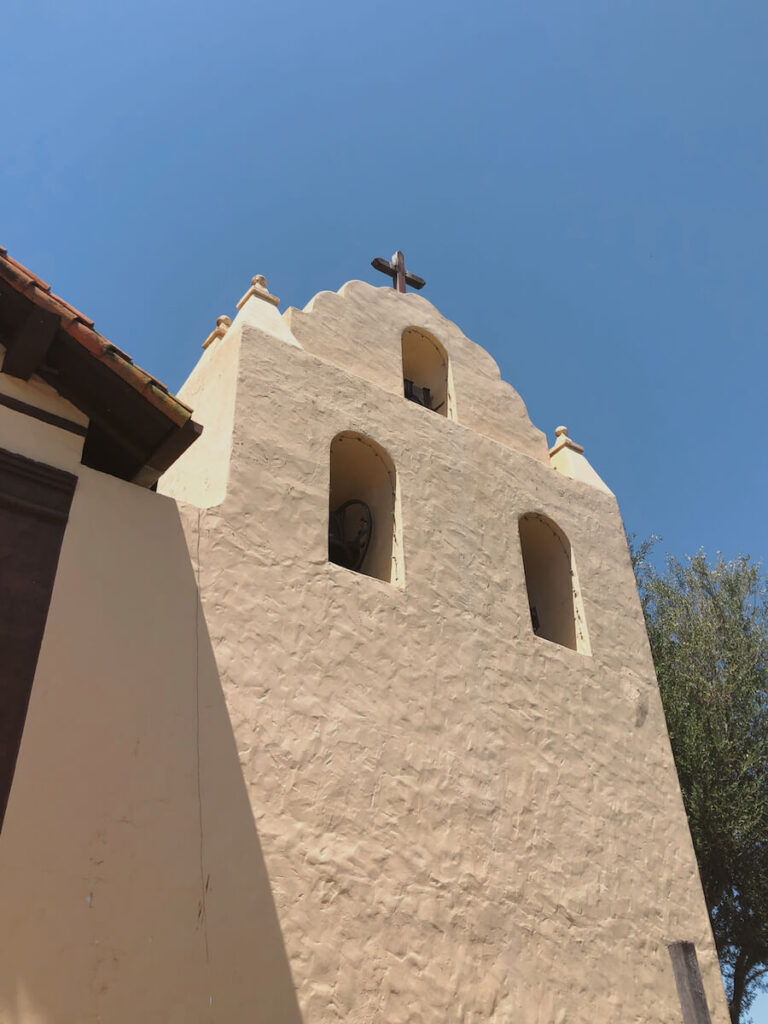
{"x": 554, "y": 598}
{"x": 363, "y": 509}
{"x": 427, "y": 378}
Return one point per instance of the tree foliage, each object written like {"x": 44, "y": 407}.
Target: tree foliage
{"x": 708, "y": 629}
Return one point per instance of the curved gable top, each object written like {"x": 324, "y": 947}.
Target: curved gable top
{"x": 360, "y": 327}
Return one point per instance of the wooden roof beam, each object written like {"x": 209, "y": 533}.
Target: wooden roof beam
{"x": 28, "y": 349}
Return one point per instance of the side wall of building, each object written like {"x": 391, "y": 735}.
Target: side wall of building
{"x": 132, "y": 882}
{"x": 396, "y": 801}
{"x": 461, "y": 820}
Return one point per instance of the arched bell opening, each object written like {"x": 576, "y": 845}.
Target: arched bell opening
{"x": 427, "y": 372}
{"x": 363, "y": 527}
{"x": 554, "y": 598}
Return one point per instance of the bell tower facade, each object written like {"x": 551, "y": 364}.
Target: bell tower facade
{"x": 431, "y": 649}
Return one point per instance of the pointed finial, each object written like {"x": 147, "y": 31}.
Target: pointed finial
{"x": 563, "y": 441}
{"x": 568, "y": 458}
{"x": 260, "y": 290}
{"x": 223, "y": 323}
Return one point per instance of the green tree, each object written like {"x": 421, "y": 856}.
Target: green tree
{"x": 708, "y": 629}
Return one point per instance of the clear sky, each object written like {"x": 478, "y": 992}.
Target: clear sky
{"x": 583, "y": 186}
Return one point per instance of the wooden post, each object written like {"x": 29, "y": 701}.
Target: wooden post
{"x": 399, "y": 262}
{"x": 690, "y": 988}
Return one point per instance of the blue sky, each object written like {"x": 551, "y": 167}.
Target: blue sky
{"x": 583, "y": 186}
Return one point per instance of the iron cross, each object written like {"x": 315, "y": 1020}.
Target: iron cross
{"x": 396, "y": 270}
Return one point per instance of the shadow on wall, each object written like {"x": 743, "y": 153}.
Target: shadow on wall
{"x": 132, "y": 881}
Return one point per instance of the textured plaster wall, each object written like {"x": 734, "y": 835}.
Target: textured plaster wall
{"x": 359, "y": 329}
{"x": 132, "y": 883}
{"x": 460, "y": 821}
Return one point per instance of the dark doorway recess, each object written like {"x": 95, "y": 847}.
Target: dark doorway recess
{"x": 34, "y": 508}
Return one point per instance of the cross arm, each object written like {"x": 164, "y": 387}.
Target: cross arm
{"x": 414, "y": 280}
{"x": 384, "y": 266}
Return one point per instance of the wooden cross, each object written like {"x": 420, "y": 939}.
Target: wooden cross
{"x": 396, "y": 270}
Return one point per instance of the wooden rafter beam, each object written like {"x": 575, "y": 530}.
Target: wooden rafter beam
{"x": 28, "y": 349}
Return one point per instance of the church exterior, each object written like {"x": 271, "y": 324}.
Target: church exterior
{"x": 352, "y": 718}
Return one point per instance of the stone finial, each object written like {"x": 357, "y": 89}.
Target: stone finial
{"x": 260, "y": 290}
{"x": 258, "y": 309}
{"x": 563, "y": 441}
{"x": 223, "y": 323}
{"x": 568, "y": 458}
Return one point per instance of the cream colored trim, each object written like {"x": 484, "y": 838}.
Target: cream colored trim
{"x": 223, "y": 323}
{"x": 563, "y": 441}
{"x": 259, "y": 290}
{"x": 568, "y": 458}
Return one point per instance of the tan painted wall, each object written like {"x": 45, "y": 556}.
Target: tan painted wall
{"x": 33, "y": 438}
{"x": 460, "y": 821}
{"x": 443, "y": 816}
{"x": 132, "y": 881}
{"x": 36, "y": 392}
{"x": 200, "y": 476}
{"x": 359, "y": 329}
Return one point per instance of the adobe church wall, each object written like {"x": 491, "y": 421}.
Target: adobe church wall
{"x": 460, "y": 820}
{"x": 359, "y": 329}
{"x": 132, "y": 883}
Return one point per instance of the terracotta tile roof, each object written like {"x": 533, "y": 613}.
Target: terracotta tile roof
{"x": 137, "y": 427}
{"x": 81, "y": 329}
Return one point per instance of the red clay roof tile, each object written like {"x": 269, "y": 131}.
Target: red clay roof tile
{"x": 81, "y": 329}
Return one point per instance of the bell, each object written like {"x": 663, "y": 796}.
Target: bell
{"x": 349, "y": 534}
